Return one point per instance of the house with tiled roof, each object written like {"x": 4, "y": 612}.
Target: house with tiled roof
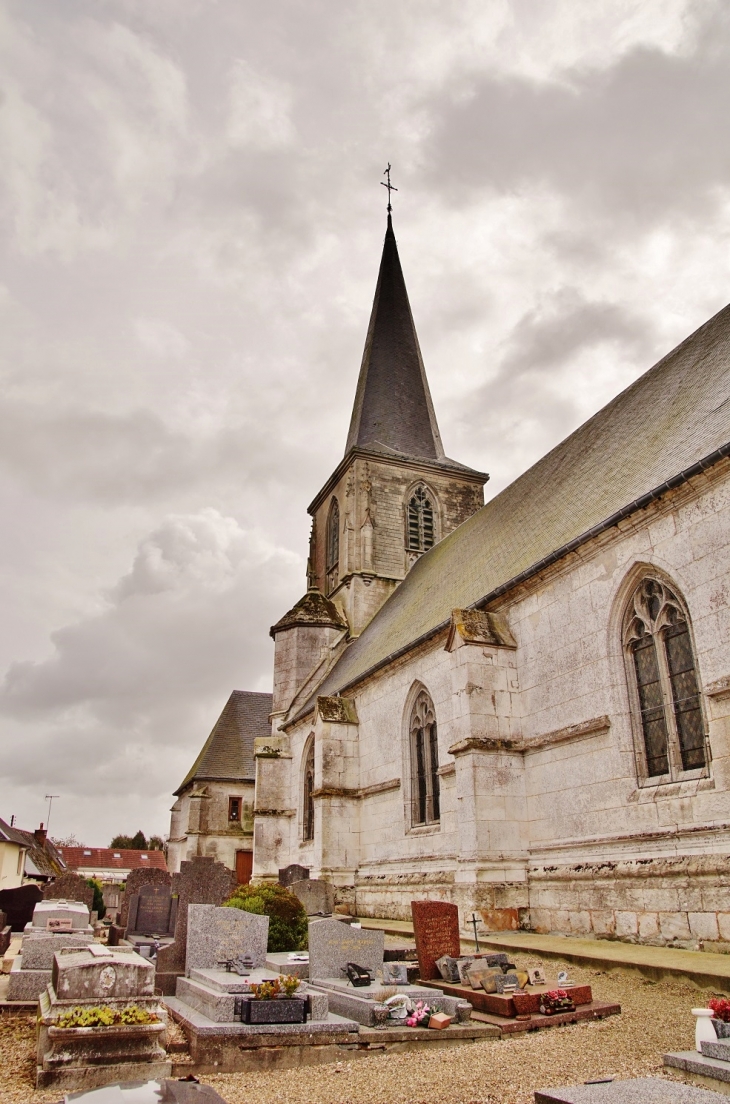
{"x": 213, "y": 811}
{"x": 522, "y": 707}
{"x": 110, "y": 864}
{"x": 27, "y": 857}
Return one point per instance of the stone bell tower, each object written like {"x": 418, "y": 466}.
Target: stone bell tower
{"x": 395, "y": 493}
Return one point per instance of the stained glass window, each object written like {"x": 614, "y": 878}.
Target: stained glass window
{"x": 425, "y": 795}
{"x": 658, "y": 639}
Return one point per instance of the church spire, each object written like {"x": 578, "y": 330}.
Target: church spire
{"x": 393, "y": 410}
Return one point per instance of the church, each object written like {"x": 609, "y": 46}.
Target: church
{"x": 521, "y": 707}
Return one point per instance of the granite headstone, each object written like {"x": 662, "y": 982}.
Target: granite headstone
{"x": 644, "y": 1090}
{"x": 216, "y": 935}
{"x": 436, "y": 931}
{"x": 333, "y": 944}
{"x": 200, "y": 881}
{"x": 136, "y": 879}
{"x": 152, "y": 911}
{"x": 18, "y": 905}
{"x": 292, "y": 873}
{"x": 69, "y": 886}
{"x": 318, "y": 897}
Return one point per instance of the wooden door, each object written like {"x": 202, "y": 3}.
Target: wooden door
{"x": 244, "y": 866}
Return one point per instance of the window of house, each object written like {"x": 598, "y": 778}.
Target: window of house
{"x": 308, "y": 795}
{"x": 663, "y": 681}
{"x": 425, "y": 807}
{"x": 420, "y": 535}
{"x": 234, "y": 808}
{"x": 333, "y": 546}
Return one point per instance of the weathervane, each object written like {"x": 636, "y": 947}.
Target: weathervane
{"x": 389, "y": 186}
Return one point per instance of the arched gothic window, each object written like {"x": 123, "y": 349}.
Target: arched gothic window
{"x": 663, "y": 675}
{"x": 420, "y": 534}
{"x": 425, "y": 807}
{"x": 308, "y": 796}
{"x": 333, "y": 546}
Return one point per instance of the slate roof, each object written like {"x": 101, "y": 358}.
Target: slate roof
{"x": 228, "y": 751}
{"x": 673, "y": 417}
{"x": 41, "y": 858}
{"x": 111, "y": 858}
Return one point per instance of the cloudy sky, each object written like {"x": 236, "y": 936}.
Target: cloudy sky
{"x": 191, "y": 221}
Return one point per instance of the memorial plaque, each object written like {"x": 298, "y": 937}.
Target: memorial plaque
{"x": 436, "y": 930}
{"x": 153, "y": 909}
{"x": 56, "y": 923}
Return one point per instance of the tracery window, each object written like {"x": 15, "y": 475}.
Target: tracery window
{"x": 308, "y": 796}
{"x": 332, "y": 557}
{"x": 420, "y": 535}
{"x": 425, "y": 806}
{"x": 663, "y": 674}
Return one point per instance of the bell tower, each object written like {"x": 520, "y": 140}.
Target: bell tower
{"x": 395, "y": 493}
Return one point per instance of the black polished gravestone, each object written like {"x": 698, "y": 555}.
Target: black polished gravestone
{"x": 18, "y": 905}
{"x": 294, "y": 873}
{"x": 152, "y": 911}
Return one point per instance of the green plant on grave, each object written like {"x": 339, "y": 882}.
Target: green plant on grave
{"x": 287, "y": 915}
{"x": 104, "y": 1016}
{"x": 97, "y": 904}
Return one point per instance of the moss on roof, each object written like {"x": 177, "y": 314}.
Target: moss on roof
{"x": 228, "y": 751}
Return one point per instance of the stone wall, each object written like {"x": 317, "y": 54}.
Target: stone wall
{"x": 200, "y": 824}
{"x": 538, "y": 755}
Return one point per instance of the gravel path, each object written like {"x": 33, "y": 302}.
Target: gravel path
{"x": 656, "y": 1018}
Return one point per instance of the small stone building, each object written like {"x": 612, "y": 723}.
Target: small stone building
{"x": 213, "y": 813}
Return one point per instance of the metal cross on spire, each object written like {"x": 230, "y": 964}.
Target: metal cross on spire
{"x": 389, "y": 186}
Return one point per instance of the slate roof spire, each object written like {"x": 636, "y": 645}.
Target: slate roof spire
{"x": 393, "y": 409}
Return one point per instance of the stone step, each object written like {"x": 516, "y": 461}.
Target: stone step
{"x": 719, "y": 1049}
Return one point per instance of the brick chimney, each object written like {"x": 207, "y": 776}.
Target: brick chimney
{"x": 40, "y": 835}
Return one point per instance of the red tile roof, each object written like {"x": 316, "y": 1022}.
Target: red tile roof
{"x": 109, "y": 858}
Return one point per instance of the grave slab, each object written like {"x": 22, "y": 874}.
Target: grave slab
{"x": 643, "y": 1090}
{"x": 333, "y": 944}
{"x": 47, "y": 914}
{"x": 217, "y": 934}
{"x": 26, "y": 985}
{"x": 701, "y": 1068}
{"x": 718, "y": 1049}
{"x": 278, "y": 961}
{"x": 436, "y": 931}
{"x": 39, "y": 949}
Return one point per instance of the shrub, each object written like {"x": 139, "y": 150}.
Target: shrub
{"x": 287, "y": 916}
{"x": 97, "y": 904}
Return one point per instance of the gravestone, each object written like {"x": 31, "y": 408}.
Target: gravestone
{"x": 333, "y": 944}
{"x": 58, "y": 915}
{"x": 18, "y": 905}
{"x": 77, "y": 1057}
{"x": 152, "y": 911}
{"x": 216, "y": 935}
{"x": 200, "y": 881}
{"x": 436, "y": 931}
{"x": 136, "y": 879}
{"x": 643, "y": 1090}
{"x": 69, "y": 886}
{"x": 318, "y": 897}
{"x": 5, "y": 933}
{"x": 291, "y": 874}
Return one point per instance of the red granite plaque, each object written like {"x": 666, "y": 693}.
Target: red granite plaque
{"x": 436, "y": 929}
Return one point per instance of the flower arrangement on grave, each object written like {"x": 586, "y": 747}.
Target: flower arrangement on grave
{"x": 721, "y": 1007}
{"x": 106, "y": 1017}
{"x": 556, "y": 1000}
{"x": 277, "y": 988}
{"x": 420, "y": 1015}
{"x": 288, "y": 923}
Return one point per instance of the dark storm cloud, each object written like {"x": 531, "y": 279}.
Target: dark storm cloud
{"x": 644, "y": 138}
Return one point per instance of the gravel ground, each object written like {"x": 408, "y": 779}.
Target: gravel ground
{"x": 656, "y": 1018}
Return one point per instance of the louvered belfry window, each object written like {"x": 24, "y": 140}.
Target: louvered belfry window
{"x": 333, "y": 546}
{"x": 425, "y": 797}
{"x": 420, "y": 522}
{"x": 308, "y": 804}
{"x": 669, "y": 710}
